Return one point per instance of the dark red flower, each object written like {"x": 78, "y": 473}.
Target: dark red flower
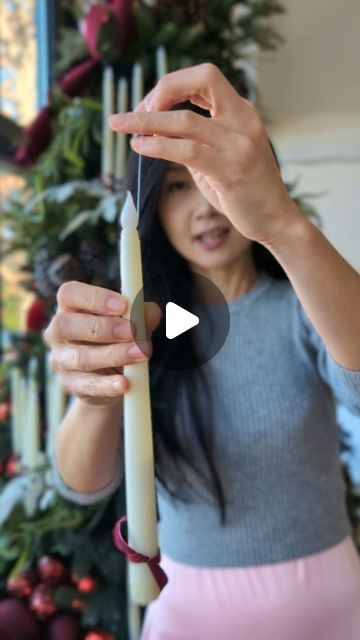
{"x": 97, "y": 16}
{"x": 36, "y": 316}
{"x": 107, "y": 28}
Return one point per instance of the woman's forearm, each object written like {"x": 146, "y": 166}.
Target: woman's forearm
{"x": 326, "y": 285}
{"x": 87, "y": 445}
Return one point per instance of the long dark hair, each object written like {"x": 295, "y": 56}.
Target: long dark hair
{"x": 178, "y": 435}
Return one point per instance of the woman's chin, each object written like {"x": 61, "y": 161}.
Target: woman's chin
{"x": 210, "y": 264}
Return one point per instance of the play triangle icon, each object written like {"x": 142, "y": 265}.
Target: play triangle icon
{"x": 178, "y": 320}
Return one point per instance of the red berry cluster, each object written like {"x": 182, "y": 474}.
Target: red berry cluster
{"x": 36, "y": 585}
{"x": 31, "y": 613}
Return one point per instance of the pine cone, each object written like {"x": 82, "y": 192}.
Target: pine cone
{"x": 65, "y": 268}
{"x": 91, "y": 256}
{"x": 50, "y": 273}
{"x": 41, "y": 264}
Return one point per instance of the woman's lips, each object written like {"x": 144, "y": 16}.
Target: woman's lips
{"x": 212, "y": 239}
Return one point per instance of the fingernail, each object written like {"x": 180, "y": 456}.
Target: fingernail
{"x": 123, "y": 331}
{"x": 137, "y": 143}
{"x": 139, "y": 350}
{"x": 117, "y": 385}
{"x": 115, "y": 304}
{"x": 139, "y": 107}
{"x": 117, "y": 119}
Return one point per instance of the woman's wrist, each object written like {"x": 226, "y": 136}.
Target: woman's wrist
{"x": 293, "y": 230}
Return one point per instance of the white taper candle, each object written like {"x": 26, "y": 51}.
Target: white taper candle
{"x": 31, "y": 453}
{"x": 137, "y": 85}
{"x": 16, "y": 423}
{"x": 108, "y": 105}
{"x": 49, "y": 374}
{"x": 60, "y": 402}
{"x": 161, "y": 62}
{"x": 22, "y": 408}
{"x": 56, "y": 400}
{"x": 138, "y": 441}
{"x": 120, "y": 140}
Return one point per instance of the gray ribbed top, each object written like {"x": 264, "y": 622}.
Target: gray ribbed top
{"x": 275, "y": 437}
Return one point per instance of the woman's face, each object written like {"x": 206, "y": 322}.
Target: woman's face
{"x": 198, "y": 232}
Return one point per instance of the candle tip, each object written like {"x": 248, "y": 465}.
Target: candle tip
{"x": 129, "y": 217}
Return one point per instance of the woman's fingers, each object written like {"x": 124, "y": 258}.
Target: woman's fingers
{"x": 67, "y": 327}
{"x": 173, "y": 124}
{"x": 81, "y": 327}
{"x": 88, "y": 358}
{"x": 94, "y": 385}
{"x": 204, "y": 85}
{"x": 79, "y": 296}
{"x": 90, "y": 342}
{"x": 183, "y": 151}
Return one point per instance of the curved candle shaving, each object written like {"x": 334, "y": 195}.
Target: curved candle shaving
{"x": 129, "y": 217}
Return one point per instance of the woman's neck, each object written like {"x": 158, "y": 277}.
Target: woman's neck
{"x": 232, "y": 280}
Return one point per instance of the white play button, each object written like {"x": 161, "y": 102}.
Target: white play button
{"x": 178, "y": 320}
{"x": 210, "y": 322}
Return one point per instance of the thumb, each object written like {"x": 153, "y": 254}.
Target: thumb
{"x": 153, "y": 316}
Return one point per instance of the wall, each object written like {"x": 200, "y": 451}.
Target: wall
{"x": 311, "y": 105}
{"x": 317, "y": 68}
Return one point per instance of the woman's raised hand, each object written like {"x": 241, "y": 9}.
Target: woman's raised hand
{"x": 90, "y": 342}
{"x": 228, "y": 154}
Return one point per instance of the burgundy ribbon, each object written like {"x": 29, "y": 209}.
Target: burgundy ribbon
{"x": 74, "y": 82}
{"x": 133, "y": 556}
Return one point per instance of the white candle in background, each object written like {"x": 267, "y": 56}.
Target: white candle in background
{"x": 60, "y": 402}
{"x": 137, "y": 85}
{"x": 58, "y": 405}
{"x": 138, "y": 441}
{"x": 32, "y": 426}
{"x": 22, "y": 408}
{"x": 16, "y": 425}
{"x": 49, "y": 375}
{"x": 161, "y": 62}
{"x": 108, "y": 106}
{"x": 120, "y": 140}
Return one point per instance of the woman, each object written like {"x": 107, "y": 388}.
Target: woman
{"x": 253, "y": 527}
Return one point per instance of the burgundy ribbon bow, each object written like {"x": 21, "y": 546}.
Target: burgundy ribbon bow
{"x": 133, "y": 556}
{"x": 74, "y": 82}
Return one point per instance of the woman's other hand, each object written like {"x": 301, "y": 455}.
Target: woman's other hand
{"x": 228, "y": 155}
{"x": 90, "y": 341}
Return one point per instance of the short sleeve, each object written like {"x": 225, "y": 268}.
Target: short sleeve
{"x": 344, "y": 383}
{"x": 85, "y": 498}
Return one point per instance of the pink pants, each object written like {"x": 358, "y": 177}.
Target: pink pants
{"x": 312, "y": 598}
